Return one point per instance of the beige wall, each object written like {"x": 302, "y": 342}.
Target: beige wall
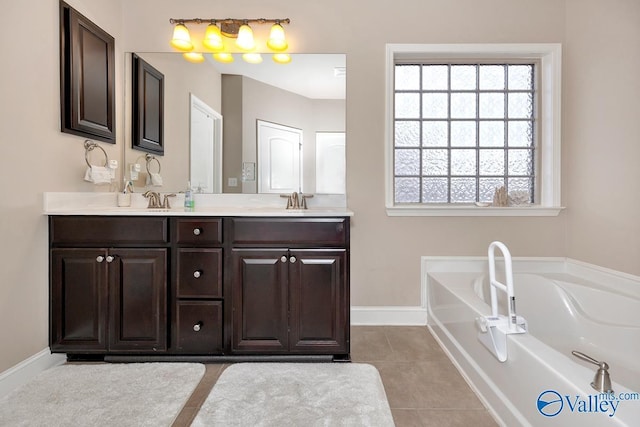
{"x": 600, "y": 146}
{"x": 602, "y": 132}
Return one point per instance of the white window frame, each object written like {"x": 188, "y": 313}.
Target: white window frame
{"x": 549, "y": 144}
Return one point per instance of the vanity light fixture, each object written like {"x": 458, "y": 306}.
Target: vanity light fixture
{"x": 252, "y": 57}
{"x": 223, "y": 57}
{"x": 195, "y": 57}
{"x": 218, "y": 30}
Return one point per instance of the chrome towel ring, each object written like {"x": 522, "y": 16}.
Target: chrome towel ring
{"x": 150, "y": 159}
{"x": 89, "y": 146}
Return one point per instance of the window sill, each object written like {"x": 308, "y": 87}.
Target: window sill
{"x": 469, "y": 210}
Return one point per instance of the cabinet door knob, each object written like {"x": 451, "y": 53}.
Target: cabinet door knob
{"x": 99, "y": 258}
{"x": 292, "y": 259}
{"x": 283, "y": 258}
{"x": 197, "y": 231}
{"x": 197, "y": 326}
{"x": 197, "y": 274}
{"x": 110, "y": 258}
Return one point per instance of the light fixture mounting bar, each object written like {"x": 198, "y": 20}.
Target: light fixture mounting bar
{"x": 228, "y": 21}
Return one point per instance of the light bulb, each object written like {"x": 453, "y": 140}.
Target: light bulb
{"x": 277, "y": 41}
{"x": 181, "y": 39}
{"x": 223, "y": 57}
{"x": 195, "y": 57}
{"x": 245, "y": 38}
{"x": 281, "y": 58}
{"x": 213, "y": 38}
{"x": 252, "y": 58}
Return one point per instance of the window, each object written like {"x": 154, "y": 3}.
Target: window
{"x": 464, "y": 120}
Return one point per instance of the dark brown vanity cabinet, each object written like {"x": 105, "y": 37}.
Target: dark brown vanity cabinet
{"x": 290, "y": 286}
{"x": 108, "y": 286}
{"x": 198, "y": 286}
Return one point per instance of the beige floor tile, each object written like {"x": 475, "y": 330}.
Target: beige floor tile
{"x": 406, "y": 418}
{"x": 456, "y": 418}
{"x": 369, "y": 343}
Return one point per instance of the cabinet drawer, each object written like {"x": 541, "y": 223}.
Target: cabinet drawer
{"x": 198, "y": 231}
{"x": 199, "y": 327}
{"x": 290, "y": 231}
{"x": 117, "y": 231}
{"x": 199, "y": 273}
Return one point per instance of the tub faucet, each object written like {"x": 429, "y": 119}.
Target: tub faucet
{"x": 602, "y": 380}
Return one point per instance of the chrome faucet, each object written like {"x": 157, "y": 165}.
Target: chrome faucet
{"x": 154, "y": 199}
{"x": 296, "y": 200}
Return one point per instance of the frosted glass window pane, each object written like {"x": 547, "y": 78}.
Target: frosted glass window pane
{"x": 520, "y": 105}
{"x": 463, "y": 105}
{"x": 407, "y": 162}
{"x": 463, "y": 190}
{"x": 520, "y": 162}
{"x": 435, "y": 77}
{"x": 491, "y": 105}
{"x": 407, "y": 134}
{"x": 407, "y": 77}
{"x": 435, "y": 190}
{"x": 407, "y": 190}
{"x": 491, "y": 134}
{"x": 407, "y": 106}
{"x": 435, "y": 106}
{"x": 435, "y": 162}
{"x": 491, "y": 162}
{"x": 463, "y": 134}
{"x": 491, "y": 77}
{"x": 488, "y": 188}
{"x": 520, "y": 134}
{"x": 435, "y": 134}
{"x": 463, "y": 162}
{"x": 463, "y": 77}
{"x": 520, "y": 184}
{"x": 520, "y": 77}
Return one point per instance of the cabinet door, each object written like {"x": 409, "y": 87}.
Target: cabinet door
{"x": 78, "y": 300}
{"x": 319, "y": 301}
{"x": 260, "y": 300}
{"x": 138, "y": 289}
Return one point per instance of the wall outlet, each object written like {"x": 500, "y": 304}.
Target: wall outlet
{"x": 233, "y": 182}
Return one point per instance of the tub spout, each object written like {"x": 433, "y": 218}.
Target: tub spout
{"x": 602, "y": 380}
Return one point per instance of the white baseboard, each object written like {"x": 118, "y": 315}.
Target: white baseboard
{"x": 389, "y": 316}
{"x": 21, "y": 373}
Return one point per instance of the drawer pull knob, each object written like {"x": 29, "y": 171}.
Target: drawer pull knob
{"x": 197, "y": 274}
{"x": 99, "y": 258}
{"x": 197, "y": 326}
{"x": 197, "y": 231}
{"x": 283, "y": 259}
{"x": 110, "y": 258}
{"x": 292, "y": 259}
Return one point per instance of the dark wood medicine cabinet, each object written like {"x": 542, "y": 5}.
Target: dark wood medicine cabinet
{"x": 87, "y": 77}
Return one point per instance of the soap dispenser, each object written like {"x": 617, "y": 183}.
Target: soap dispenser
{"x": 188, "y": 197}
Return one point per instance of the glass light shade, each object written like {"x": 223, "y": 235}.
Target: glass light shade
{"x": 277, "y": 41}
{"x": 281, "y": 58}
{"x": 252, "y": 58}
{"x": 245, "y": 38}
{"x": 223, "y": 57}
{"x": 195, "y": 57}
{"x": 181, "y": 39}
{"x": 213, "y": 38}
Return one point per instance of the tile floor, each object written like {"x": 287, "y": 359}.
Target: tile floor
{"x": 423, "y": 387}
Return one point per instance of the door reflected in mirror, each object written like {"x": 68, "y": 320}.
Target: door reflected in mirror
{"x": 213, "y": 142}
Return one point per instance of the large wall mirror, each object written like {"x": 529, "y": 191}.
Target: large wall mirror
{"x": 246, "y": 128}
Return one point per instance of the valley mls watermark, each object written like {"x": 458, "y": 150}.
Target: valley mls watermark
{"x": 551, "y": 403}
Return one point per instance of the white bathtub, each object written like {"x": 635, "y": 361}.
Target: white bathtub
{"x": 565, "y": 311}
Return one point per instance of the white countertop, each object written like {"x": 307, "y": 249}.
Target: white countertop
{"x": 248, "y": 205}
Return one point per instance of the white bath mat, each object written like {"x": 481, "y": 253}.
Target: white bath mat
{"x": 135, "y": 394}
{"x": 297, "y": 394}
